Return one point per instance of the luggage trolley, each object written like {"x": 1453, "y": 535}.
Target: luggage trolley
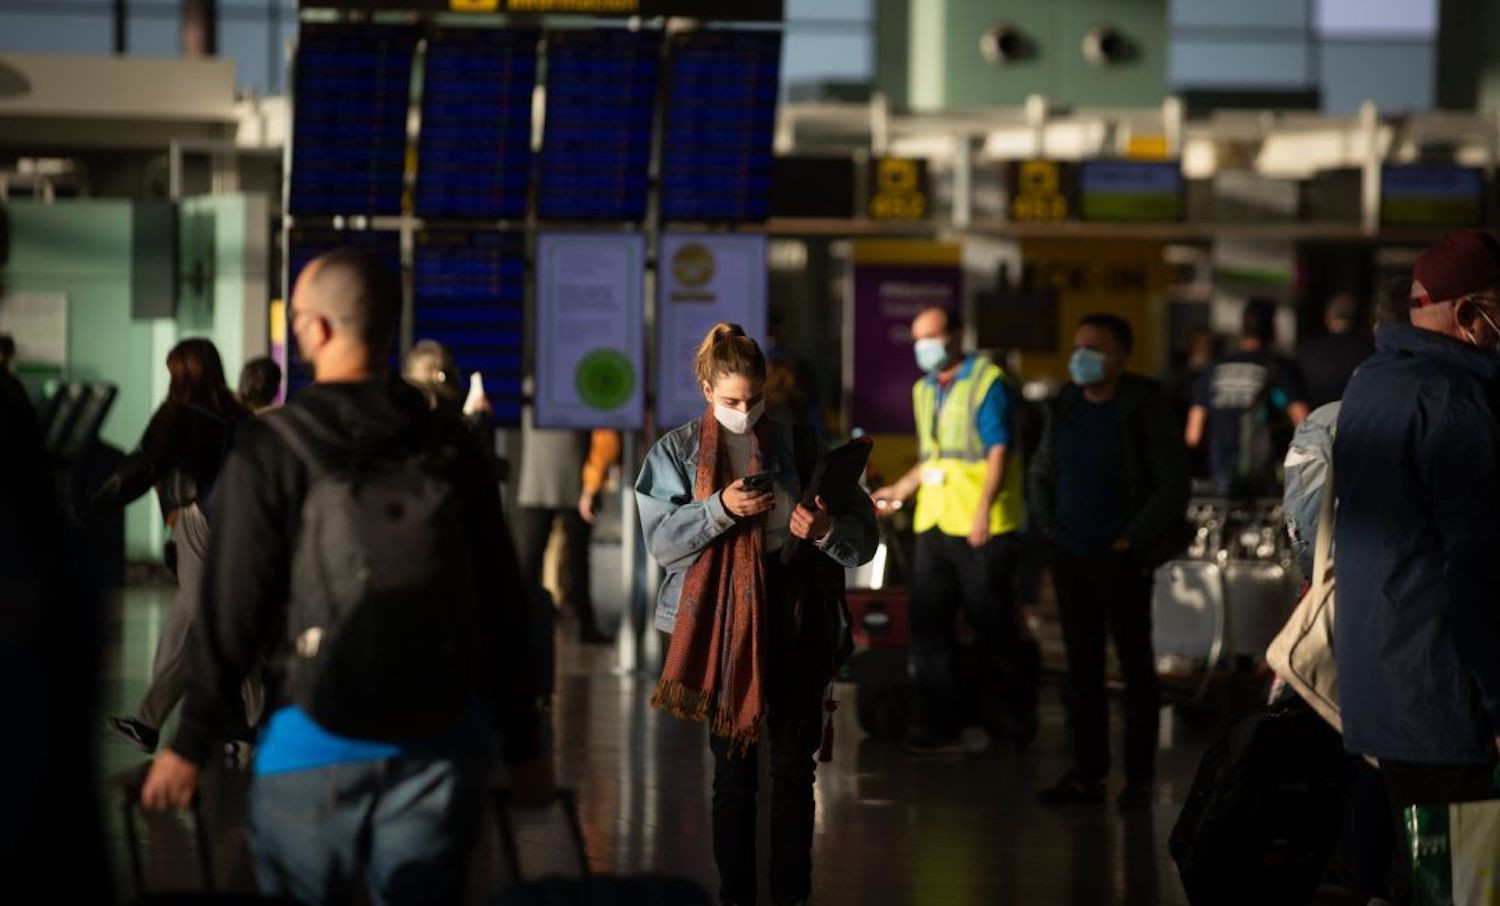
{"x": 880, "y": 622}
{"x": 1215, "y": 609}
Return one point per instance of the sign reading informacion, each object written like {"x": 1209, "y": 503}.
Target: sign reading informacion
{"x": 590, "y": 332}
{"x": 705, "y": 279}
{"x": 893, "y": 281}
{"x": 898, "y": 189}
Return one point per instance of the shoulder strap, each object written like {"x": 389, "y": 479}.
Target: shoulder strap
{"x": 295, "y": 425}
{"x": 1323, "y": 548}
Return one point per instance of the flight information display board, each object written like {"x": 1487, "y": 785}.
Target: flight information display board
{"x": 596, "y": 145}
{"x": 350, "y": 99}
{"x": 1431, "y": 195}
{"x": 303, "y": 245}
{"x": 474, "y": 156}
{"x": 1130, "y": 191}
{"x": 470, "y": 295}
{"x": 720, "y": 122}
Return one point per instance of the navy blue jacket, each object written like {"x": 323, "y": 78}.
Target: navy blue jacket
{"x": 1416, "y": 465}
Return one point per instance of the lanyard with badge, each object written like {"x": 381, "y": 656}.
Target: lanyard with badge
{"x": 934, "y": 475}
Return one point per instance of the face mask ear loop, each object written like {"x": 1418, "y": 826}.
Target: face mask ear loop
{"x": 1496, "y": 330}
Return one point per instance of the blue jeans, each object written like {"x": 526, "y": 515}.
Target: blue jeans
{"x": 407, "y": 824}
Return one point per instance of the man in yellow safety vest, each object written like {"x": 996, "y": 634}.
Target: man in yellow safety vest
{"x": 968, "y": 485}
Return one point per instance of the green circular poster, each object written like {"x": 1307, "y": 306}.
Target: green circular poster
{"x": 605, "y": 379}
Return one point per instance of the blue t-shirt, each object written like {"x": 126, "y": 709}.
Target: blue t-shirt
{"x": 992, "y": 420}
{"x": 1089, "y": 512}
{"x": 293, "y": 741}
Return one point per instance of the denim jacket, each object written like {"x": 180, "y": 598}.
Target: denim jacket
{"x": 677, "y": 527}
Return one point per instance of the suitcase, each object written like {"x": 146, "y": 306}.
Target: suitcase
{"x": 131, "y": 791}
{"x": 589, "y": 889}
{"x": 1261, "y": 595}
{"x": 880, "y": 618}
{"x": 1188, "y": 612}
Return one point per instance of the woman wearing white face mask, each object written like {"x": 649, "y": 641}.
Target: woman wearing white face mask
{"x": 753, "y": 642}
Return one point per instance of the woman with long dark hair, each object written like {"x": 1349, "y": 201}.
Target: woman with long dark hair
{"x": 753, "y": 642}
{"x": 185, "y": 445}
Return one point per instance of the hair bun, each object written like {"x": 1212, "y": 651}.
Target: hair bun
{"x": 726, "y": 329}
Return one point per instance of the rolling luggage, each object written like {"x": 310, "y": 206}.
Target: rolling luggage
{"x": 1189, "y": 612}
{"x": 1265, "y": 810}
{"x": 203, "y": 848}
{"x": 589, "y": 889}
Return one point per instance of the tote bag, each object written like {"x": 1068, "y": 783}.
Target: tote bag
{"x": 1302, "y": 653}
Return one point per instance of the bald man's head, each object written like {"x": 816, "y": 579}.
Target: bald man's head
{"x": 358, "y": 295}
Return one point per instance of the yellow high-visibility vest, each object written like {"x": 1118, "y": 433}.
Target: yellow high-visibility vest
{"x": 954, "y": 457}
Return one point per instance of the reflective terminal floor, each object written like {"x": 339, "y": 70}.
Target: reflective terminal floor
{"x": 891, "y": 828}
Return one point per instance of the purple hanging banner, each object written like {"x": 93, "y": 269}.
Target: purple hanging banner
{"x": 893, "y": 280}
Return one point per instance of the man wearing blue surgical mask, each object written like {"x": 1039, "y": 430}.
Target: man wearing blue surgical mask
{"x": 969, "y": 484}
{"x": 1109, "y": 486}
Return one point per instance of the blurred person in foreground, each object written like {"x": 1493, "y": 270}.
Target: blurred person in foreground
{"x": 359, "y": 540}
{"x": 51, "y": 650}
{"x": 1416, "y": 466}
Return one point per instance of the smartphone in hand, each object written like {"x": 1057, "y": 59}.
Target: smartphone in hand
{"x": 760, "y": 481}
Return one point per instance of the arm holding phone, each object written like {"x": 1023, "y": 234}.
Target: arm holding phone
{"x": 750, "y": 495}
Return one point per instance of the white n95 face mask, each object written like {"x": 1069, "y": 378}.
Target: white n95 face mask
{"x": 737, "y": 422}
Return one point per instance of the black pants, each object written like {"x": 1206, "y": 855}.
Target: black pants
{"x": 949, "y": 575}
{"x": 1437, "y": 784}
{"x": 795, "y": 723}
{"x": 1369, "y": 835}
{"x": 1099, "y": 595}
{"x": 533, "y": 527}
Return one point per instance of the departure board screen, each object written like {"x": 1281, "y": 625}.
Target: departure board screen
{"x": 303, "y": 245}
{"x": 720, "y": 122}
{"x": 470, "y": 292}
{"x": 474, "y": 155}
{"x": 349, "y": 119}
{"x": 596, "y": 145}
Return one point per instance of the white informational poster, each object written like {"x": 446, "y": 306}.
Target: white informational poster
{"x": 38, "y": 322}
{"x": 590, "y": 333}
{"x": 705, "y": 278}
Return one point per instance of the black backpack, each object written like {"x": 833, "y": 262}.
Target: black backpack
{"x": 383, "y": 621}
{"x": 1265, "y": 810}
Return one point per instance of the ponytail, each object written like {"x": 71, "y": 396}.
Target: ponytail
{"x": 726, "y": 350}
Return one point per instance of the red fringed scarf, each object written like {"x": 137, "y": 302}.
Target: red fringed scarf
{"x": 714, "y": 663}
